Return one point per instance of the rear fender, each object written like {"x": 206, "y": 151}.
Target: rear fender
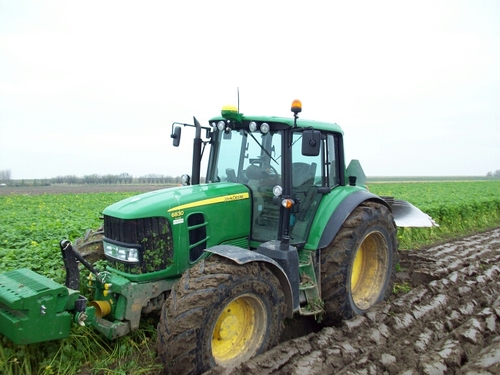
{"x": 244, "y": 256}
{"x": 342, "y": 211}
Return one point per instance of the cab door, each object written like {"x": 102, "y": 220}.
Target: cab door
{"x": 312, "y": 177}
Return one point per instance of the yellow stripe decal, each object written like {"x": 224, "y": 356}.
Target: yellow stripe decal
{"x": 205, "y": 202}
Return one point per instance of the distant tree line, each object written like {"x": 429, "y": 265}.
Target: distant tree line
{"x": 122, "y": 178}
{"x": 494, "y": 175}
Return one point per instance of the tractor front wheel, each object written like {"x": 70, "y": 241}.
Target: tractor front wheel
{"x": 220, "y": 314}
{"x": 358, "y": 267}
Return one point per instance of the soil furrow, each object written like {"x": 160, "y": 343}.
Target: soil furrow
{"x": 446, "y": 324}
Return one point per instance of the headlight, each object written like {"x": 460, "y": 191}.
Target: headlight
{"x": 125, "y": 254}
{"x": 185, "y": 180}
{"x": 264, "y": 128}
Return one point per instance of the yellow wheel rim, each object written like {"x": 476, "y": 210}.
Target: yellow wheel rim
{"x": 239, "y": 330}
{"x": 369, "y": 270}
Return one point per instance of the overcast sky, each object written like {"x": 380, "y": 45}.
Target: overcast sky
{"x": 94, "y": 86}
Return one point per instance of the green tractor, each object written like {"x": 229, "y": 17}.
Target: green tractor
{"x": 280, "y": 228}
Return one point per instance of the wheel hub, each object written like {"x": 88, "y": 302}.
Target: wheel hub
{"x": 369, "y": 270}
{"x": 229, "y": 327}
{"x": 239, "y": 330}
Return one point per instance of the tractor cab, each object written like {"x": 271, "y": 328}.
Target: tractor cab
{"x": 287, "y": 164}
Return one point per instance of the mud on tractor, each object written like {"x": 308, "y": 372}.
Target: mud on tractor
{"x": 280, "y": 228}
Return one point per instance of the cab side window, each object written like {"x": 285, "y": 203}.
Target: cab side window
{"x": 332, "y": 174}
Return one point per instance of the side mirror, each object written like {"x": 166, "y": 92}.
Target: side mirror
{"x": 176, "y": 136}
{"x": 311, "y": 142}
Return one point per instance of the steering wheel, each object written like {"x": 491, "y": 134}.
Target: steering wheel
{"x": 260, "y": 172}
{"x": 271, "y": 171}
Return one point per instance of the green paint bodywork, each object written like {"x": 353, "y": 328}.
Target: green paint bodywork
{"x": 227, "y": 221}
{"x": 328, "y": 204}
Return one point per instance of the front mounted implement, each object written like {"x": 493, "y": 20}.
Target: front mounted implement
{"x": 34, "y": 308}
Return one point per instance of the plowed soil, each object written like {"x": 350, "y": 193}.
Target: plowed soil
{"x": 448, "y": 322}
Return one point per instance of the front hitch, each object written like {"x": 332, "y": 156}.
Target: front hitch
{"x": 70, "y": 259}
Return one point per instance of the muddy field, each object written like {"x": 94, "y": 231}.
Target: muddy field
{"x": 448, "y": 322}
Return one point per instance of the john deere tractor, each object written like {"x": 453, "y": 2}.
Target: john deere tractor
{"x": 279, "y": 228}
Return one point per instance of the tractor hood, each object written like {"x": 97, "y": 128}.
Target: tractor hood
{"x": 166, "y": 201}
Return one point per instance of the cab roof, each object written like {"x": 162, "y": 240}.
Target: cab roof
{"x": 301, "y": 123}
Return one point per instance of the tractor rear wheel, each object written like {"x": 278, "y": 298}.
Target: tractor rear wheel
{"x": 358, "y": 267}
{"x": 220, "y": 314}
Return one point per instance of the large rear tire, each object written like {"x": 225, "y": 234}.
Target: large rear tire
{"x": 358, "y": 266}
{"x": 220, "y": 314}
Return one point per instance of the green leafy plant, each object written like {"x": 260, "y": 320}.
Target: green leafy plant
{"x": 401, "y": 288}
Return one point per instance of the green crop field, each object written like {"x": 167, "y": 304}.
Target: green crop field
{"x": 459, "y": 208}
{"x": 30, "y": 230}
{"x": 31, "y": 227}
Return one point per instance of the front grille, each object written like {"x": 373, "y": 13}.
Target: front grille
{"x": 154, "y": 236}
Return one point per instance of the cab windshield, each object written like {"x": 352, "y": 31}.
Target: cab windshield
{"x": 244, "y": 156}
{"x": 253, "y": 159}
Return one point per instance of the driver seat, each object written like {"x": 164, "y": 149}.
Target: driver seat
{"x": 303, "y": 174}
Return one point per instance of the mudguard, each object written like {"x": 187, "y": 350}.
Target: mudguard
{"x": 404, "y": 213}
{"x": 243, "y": 256}
{"x": 342, "y": 211}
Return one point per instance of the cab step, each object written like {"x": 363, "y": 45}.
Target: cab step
{"x": 309, "y": 286}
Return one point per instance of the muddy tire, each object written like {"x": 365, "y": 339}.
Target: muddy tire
{"x": 220, "y": 314}
{"x": 90, "y": 245}
{"x": 358, "y": 267}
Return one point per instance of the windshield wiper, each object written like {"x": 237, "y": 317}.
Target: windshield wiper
{"x": 262, "y": 148}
